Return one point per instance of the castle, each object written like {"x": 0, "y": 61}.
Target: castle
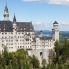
{"x": 21, "y": 35}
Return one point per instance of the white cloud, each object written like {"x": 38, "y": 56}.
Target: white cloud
{"x": 50, "y": 1}
{"x": 59, "y": 1}
{"x": 55, "y": 1}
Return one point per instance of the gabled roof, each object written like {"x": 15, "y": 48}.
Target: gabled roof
{"x": 7, "y": 26}
{"x": 24, "y": 26}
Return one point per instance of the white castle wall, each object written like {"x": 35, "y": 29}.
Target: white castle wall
{"x": 18, "y": 40}
{"x": 27, "y": 40}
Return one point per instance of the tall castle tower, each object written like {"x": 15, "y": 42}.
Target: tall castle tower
{"x": 6, "y": 14}
{"x": 55, "y": 31}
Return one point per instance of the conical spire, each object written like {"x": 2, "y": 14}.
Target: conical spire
{"x": 6, "y": 9}
{"x": 14, "y": 19}
{"x": 14, "y": 24}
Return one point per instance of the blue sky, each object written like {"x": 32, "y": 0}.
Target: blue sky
{"x": 42, "y": 13}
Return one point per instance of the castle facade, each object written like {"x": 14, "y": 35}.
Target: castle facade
{"x": 21, "y": 35}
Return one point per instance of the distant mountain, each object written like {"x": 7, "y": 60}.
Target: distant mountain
{"x": 63, "y": 34}
{"x": 44, "y": 32}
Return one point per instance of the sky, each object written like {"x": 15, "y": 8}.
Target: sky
{"x": 42, "y": 13}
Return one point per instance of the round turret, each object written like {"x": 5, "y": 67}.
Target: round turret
{"x": 6, "y": 14}
{"x": 55, "y": 31}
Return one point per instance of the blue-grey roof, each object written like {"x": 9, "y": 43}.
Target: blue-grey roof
{"x": 55, "y": 22}
{"x": 7, "y": 26}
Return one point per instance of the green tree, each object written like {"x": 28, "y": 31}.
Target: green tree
{"x": 35, "y": 62}
{"x": 58, "y": 52}
{"x": 44, "y": 64}
{"x": 66, "y": 52}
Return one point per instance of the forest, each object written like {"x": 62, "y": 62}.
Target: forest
{"x": 21, "y": 60}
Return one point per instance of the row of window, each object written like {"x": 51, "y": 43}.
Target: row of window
{"x": 46, "y": 43}
{"x": 11, "y": 37}
{"x": 44, "y": 46}
{"x": 16, "y": 32}
{"x": 18, "y": 43}
{"x": 24, "y": 46}
{"x": 15, "y": 40}
{"x": 20, "y": 47}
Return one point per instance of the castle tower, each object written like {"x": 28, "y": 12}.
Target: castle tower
{"x": 14, "y": 24}
{"x": 55, "y": 31}
{"x": 6, "y": 14}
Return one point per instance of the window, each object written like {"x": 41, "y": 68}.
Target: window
{"x": 18, "y": 33}
{"x": 20, "y": 46}
{"x": 22, "y": 33}
{"x": 11, "y": 47}
{"x": 2, "y": 33}
{"x": 2, "y": 37}
{"x": 40, "y": 53}
{"x": 27, "y": 39}
{"x": 5, "y": 37}
{"x": 2, "y": 40}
